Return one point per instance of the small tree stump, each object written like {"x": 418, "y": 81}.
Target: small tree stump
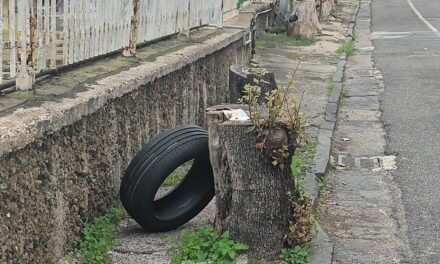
{"x": 252, "y": 195}
{"x": 307, "y": 21}
{"x": 240, "y": 75}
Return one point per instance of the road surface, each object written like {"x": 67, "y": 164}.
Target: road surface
{"x": 407, "y": 52}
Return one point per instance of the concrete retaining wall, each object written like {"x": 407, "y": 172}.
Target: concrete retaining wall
{"x": 61, "y": 162}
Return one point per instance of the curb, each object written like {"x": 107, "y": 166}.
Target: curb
{"x": 321, "y": 160}
{"x": 322, "y": 245}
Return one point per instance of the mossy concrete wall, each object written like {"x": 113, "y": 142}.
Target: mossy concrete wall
{"x": 61, "y": 161}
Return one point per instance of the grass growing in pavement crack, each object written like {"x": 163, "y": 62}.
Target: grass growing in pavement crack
{"x": 302, "y": 160}
{"x": 349, "y": 48}
{"x": 342, "y": 97}
{"x": 274, "y": 40}
{"x": 330, "y": 84}
{"x": 97, "y": 239}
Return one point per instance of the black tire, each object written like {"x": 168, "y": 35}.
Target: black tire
{"x": 152, "y": 165}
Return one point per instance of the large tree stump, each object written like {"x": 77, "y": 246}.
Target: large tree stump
{"x": 306, "y": 22}
{"x": 325, "y": 9}
{"x": 252, "y": 195}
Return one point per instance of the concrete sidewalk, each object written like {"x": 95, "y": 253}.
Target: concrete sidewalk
{"x": 317, "y": 65}
{"x": 362, "y": 216}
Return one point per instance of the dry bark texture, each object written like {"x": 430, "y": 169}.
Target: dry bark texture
{"x": 307, "y": 23}
{"x": 325, "y": 9}
{"x": 251, "y": 194}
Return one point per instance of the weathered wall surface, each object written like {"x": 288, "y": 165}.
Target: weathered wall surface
{"x": 69, "y": 170}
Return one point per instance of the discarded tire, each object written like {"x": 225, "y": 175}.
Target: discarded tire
{"x": 152, "y": 165}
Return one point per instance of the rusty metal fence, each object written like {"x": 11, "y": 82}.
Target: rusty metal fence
{"x": 39, "y": 35}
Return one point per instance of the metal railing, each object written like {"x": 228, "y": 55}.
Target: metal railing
{"x": 40, "y": 35}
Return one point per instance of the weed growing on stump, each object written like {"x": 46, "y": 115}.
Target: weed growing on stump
{"x": 281, "y": 129}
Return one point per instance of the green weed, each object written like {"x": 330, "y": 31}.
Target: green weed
{"x": 302, "y": 160}
{"x": 323, "y": 184}
{"x": 330, "y": 84}
{"x": 349, "y": 48}
{"x": 280, "y": 26}
{"x": 178, "y": 174}
{"x": 296, "y": 255}
{"x": 275, "y": 40}
{"x": 204, "y": 244}
{"x": 342, "y": 97}
{"x": 98, "y": 238}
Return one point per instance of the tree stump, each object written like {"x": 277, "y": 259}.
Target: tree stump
{"x": 306, "y": 24}
{"x": 252, "y": 195}
{"x": 325, "y": 9}
{"x": 240, "y": 75}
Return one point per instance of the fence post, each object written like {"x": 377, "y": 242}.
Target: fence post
{"x": 131, "y": 49}
{"x": 1, "y": 41}
{"x": 27, "y": 26}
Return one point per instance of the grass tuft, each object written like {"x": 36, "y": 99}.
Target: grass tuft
{"x": 330, "y": 85}
{"x": 349, "y": 48}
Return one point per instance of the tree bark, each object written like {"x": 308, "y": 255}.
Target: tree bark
{"x": 252, "y": 195}
{"x": 307, "y": 23}
{"x": 240, "y": 75}
{"x": 325, "y": 9}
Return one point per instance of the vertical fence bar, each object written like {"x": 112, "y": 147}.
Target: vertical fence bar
{"x": 45, "y": 49}
{"x": 75, "y": 14}
{"x": 65, "y": 32}
{"x": 32, "y": 56}
{"x": 71, "y": 23}
{"x": 40, "y": 36}
{"x": 95, "y": 20}
{"x": 12, "y": 40}
{"x": 131, "y": 49}
{"x": 53, "y": 33}
{"x": 25, "y": 78}
{"x": 1, "y": 41}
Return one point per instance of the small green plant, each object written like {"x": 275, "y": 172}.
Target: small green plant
{"x": 323, "y": 184}
{"x": 204, "y": 244}
{"x": 280, "y": 105}
{"x": 98, "y": 238}
{"x": 275, "y": 40}
{"x": 302, "y": 160}
{"x": 301, "y": 227}
{"x": 296, "y": 255}
{"x": 349, "y": 48}
{"x": 330, "y": 85}
{"x": 280, "y": 26}
{"x": 342, "y": 97}
{"x": 178, "y": 174}
{"x": 325, "y": 189}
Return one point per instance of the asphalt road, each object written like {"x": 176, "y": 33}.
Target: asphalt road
{"x": 408, "y": 55}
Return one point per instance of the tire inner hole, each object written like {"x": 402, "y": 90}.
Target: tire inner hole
{"x": 173, "y": 180}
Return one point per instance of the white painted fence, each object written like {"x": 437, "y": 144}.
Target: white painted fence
{"x": 39, "y": 35}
